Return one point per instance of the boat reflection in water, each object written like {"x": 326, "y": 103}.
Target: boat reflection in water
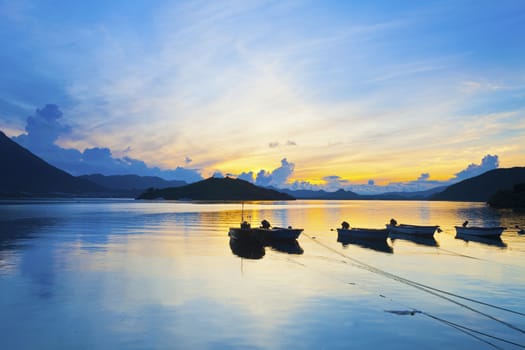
{"x": 285, "y": 246}
{"x": 247, "y": 248}
{"x": 429, "y": 241}
{"x": 380, "y": 245}
{"x": 488, "y": 240}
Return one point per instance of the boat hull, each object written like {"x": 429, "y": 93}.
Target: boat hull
{"x": 416, "y": 230}
{"x": 280, "y": 233}
{"x": 246, "y": 234}
{"x": 363, "y": 233}
{"x": 265, "y": 234}
{"x": 479, "y": 231}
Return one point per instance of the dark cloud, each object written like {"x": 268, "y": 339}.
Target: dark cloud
{"x": 218, "y": 174}
{"x": 45, "y": 127}
{"x": 334, "y": 182}
{"x": 371, "y": 182}
{"x": 273, "y": 144}
{"x": 291, "y": 143}
{"x": 188, "y": 160}
{"x": 489, "y": 162}
{"x": 423, "y": 177}
{"x": 246, "y": 176}
{"x": 278, "y": 177}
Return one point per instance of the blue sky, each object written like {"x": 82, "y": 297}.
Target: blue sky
{"x": 323, "y": 93}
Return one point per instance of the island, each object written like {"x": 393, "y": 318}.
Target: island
{"x": 216, "y": 189}
{"x": 514, "y": 198}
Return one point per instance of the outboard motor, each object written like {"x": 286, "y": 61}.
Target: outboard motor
{"x": 265, "y": 224}
{"x": 345, "y": 225}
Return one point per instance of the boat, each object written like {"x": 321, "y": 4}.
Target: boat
{"x": 494, "y": 231}
{"x": 245, "y": 232}
{"x": 418, "y": 230}
{"x": 264, "y": 233}
{"x": 366, "y": 233}
{"x": 279, "y": 233}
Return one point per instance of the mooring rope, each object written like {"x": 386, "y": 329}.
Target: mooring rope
{"x": 423, "y": 287}
{"x": 463, "y": 329}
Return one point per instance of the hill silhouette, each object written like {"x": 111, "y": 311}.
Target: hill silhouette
{"x": 509, "y": 199}
{"x": 480, "y": 188}
{"x": 216, "y": 189}
{"x": 25, "y": 174}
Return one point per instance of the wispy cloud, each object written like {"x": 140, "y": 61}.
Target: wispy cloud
{"x": 336, "y": 87}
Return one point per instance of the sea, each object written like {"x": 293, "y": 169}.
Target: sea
{"x": 126, "y": 274}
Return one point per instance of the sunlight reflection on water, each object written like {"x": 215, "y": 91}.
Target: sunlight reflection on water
{"x": 133, "y": 274}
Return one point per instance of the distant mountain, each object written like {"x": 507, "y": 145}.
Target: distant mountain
{"x": 25, "y": 174}
{"x": 131, "y": 182}
{"x": 216, "y": 189}
{"x": 319, "y": 194}
{"x": 509, "y": 199}
{"x": 346, "y": 195}
{"x": 416, "y": 195}
{"x": 482, "y": 187}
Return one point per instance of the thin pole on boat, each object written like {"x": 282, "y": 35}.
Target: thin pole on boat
{"x": 242, "y": 212}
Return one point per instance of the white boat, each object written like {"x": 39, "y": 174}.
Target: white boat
{"x": 418, "y": 230}
{"x": 480, "y": 231}
{"x": 365, "y": 233}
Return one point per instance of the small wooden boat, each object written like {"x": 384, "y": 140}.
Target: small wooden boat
{"x": 280, "y": 233}
{"x": 494, "y": 231}
{"x": 417, "y": 230}
{"x": 365, "y": 233}
{"x": 245, "y": 232}
{"x": 264, "y": 233}
{"x": 480, "y": 231}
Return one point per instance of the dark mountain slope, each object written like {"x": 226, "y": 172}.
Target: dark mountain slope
{"x": 509, "y": 199}
{"x": 482, "y": 187}
{"x": 217, "y": 189}
{"x": 23, "y": 173}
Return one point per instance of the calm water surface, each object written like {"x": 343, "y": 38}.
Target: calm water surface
{"x": 122, "y": 274}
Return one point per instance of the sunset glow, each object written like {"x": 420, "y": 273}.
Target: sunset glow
{"x": 371, "y": 93}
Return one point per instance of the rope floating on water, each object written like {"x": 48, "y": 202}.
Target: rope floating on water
{"x": 425, "y": 288}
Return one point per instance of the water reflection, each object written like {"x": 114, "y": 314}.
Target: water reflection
{"x": 248, "y": 249}
{"x": 421, "y": 240}
{"x": 149, "y": 270}
{"x": 14, "y": 230}
{"x": 493, "y": 241}
{"x": 374, "y": 244}
{"x": 285, "y": 246}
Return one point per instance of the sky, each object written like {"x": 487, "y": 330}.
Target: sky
{"x": 367, "y": 96}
